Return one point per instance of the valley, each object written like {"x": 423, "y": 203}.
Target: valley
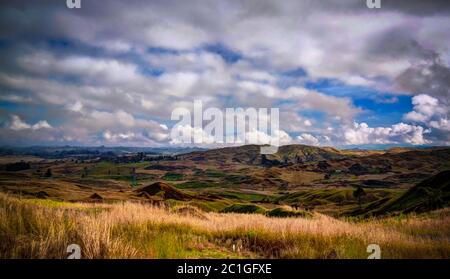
{"x": 297, "y": 184}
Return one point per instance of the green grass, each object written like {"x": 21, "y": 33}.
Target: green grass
{"x": 245, "y": 196}
{"x": 196, "y": 185}
{"x": 30, "y": 229}
{"x": 236, "y": 179}
{"x": 298, "y": 246}
{"x": 110, "y": 168}
{"x": 216, "y": 174}
{"x": 50, "y": 203}
{"x": 172, "y": 176}
{"x": 334, "y": 196}
{"x": 162, "y": 241}
{"x": 207, "y": 206}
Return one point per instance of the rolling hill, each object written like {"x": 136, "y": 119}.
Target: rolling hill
{"x": 430, "y": 194}
{"x": 250, "y": 155}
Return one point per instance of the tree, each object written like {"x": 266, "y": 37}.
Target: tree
{"x": 48, "y": 173}
{"x": 359, "y": 193}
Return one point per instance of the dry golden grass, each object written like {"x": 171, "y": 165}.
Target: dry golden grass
{"x": 301, "y": 177}
{"x": 44, "y": 228}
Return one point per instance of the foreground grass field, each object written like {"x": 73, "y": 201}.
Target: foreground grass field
{"x": 34, "y": 228}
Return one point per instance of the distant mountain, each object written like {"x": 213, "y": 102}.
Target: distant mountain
{"x": 66, "y": 151}
{"x": 294, "y": 154}
{"x": 298, "y": 154}
{"x": 250, "y": 154}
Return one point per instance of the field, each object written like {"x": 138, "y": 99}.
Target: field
{"x": 35, "y": 228}
{"x": 230, "y": 203}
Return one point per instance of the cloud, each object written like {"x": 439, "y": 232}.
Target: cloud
{"x": 337, "y": 107}
{"x": 361, "y": 133}
{"x": 278, "y": 137}
{"x": 429, "y": 111}
{"x": 118, "y": 126}
{"x": 431, "y": 77}
{"x": 426, "y": 108}
{"x": 308, "y": 139}
{"x": 104, "y": 70}
{"x": 120, "y": 136}
{"x": 186, "y": 135}
{"x": 17, "y": 124}
{"x": 418, "y": 7}
{"x": 112, "y": 73}
{"x": 441, "y": 124}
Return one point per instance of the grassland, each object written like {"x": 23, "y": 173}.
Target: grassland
{"x": 33, "y": 228}
{"x": 302, "y": 203}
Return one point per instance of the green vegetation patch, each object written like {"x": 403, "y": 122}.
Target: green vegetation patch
{"x": 196, "y": 184}
{"x": 283, "y": 213}
{"x": 244, "y": 196}
{"x": 236, "y": 179}
{"x": 173, "y": 176}
{"x": 244, "y": 208}
{"x": 215, "y": 174}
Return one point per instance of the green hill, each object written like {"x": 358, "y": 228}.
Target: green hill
{"x": 430, "y": 194}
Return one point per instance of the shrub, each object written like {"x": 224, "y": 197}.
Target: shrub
{"x": 281, "y": 212}
{"x": 17, "y": 166}
{"x": 243, "y": 208}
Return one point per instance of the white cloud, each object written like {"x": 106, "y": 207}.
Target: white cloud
{"x": 178, "y": 84}
{"x": 209, "y": 80}
{"x": 441, "y": 124}
{"x": 98, "y": 69}
{"x": 120, "y": 136}
{"x": 307, "y": 123}
{"x": 41, "y": 125}
{"x": 430, "y": 112}
{"x": 308, "y": 139}
{"x": 185, "y": 134}
{"x": 305, "y": 99}
{"x": 278, "y": 137}
{"x": 17, "y": 124}
{"x": 76, "y": 107}
{"x": 425, "y": 108}
{"x": 361, "y": 133}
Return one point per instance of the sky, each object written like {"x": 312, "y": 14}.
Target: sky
{"x": 112, "y": 72}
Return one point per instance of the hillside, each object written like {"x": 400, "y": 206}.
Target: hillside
{"x": 250, "y": 155}
{"x": 430, "y": 194}
{"x": 162, "y": 190}
{"x": 320, "y": 179}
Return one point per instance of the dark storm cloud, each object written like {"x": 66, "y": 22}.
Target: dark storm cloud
{"x": 430, "y": 77}
{"x": 428, "y": 74}
{"x": 418, "y": 7}
{"x": 411, "y": 7}
{"x": 398, "y": 42}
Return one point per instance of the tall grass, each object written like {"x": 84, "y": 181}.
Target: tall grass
{"x": 43, "y": 229}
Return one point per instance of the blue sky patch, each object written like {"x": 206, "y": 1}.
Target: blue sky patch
{"x": 226, "y": 53}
